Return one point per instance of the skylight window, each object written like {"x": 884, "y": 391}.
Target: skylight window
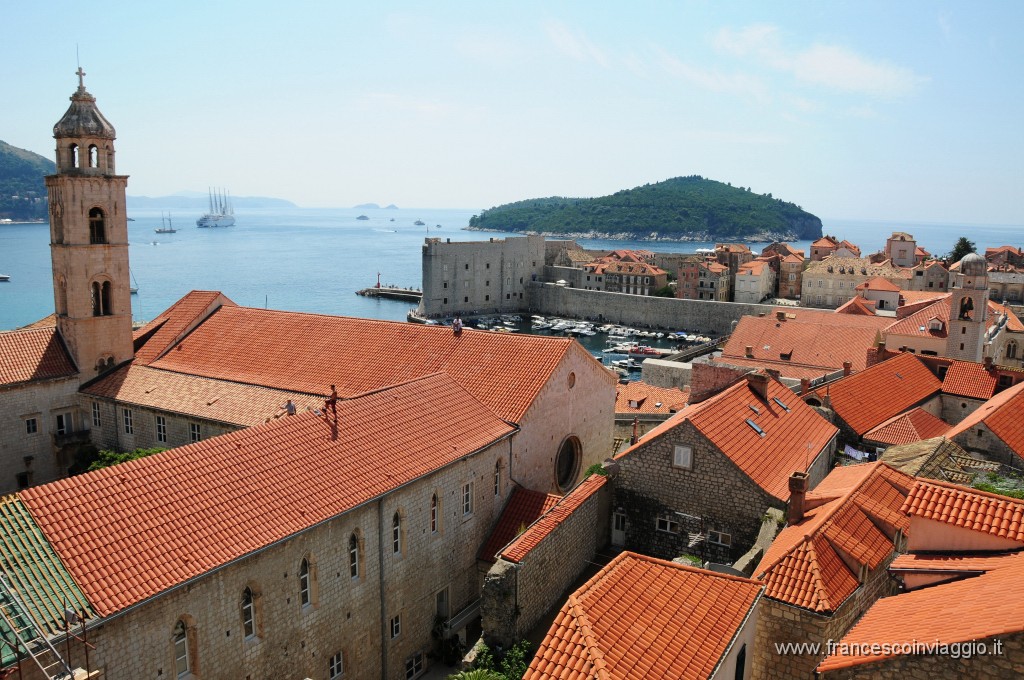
{"x": 779, "y": 402}
{"x": 754, "y": 425}
{"x": 754, "y": 409}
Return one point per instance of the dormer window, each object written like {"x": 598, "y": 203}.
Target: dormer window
{"x": 935, "y": 324}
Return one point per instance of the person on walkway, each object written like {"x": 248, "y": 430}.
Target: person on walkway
{"x": 457, "y": 326}
{"x": 332, "y": 402}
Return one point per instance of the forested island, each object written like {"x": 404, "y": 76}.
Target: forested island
{"x": 22, "y": 189}
{"x": 679, "y": 209}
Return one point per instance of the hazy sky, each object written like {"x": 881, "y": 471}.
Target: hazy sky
{"x": 898, "y": 110}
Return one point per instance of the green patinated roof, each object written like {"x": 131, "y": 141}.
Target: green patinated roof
{"x": 32, "y": 569}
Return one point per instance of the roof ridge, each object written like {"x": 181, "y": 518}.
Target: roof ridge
{"x": 594, "y": 651}
{"x": 819, "y": 581}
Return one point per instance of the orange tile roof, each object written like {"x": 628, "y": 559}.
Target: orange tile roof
{"x": 649, "y": 398}
{"x": 974, "y": 608}
{"x": 826, "y": 242}
{"x": 813, "y": 338}
{"x": 970, "y": 379}
{"x": 878, "y": 283}
{"x": 857, "y": 305}
{"x": 632, "y": 268}
{"x": 641, "y": 617}
{"x": 524, "y": 507}
{"x": 33, "y": 354}
{"x": 785, "y": 368}
{"x": 162, "y": 332}
{"x": 848, "y": 511}
{"x": 792, "y": 439}
{"x": 753, "y": 268}
{"x": 48, "y": 321}
{"x": 517, "y": 550}
{"x": 1001, "y": 415}
{"x": 905, "y": 428}
{"x": 307, "y": 352}
{"x": 131, "y": 531}
{"x": 205, "y": 398}
{"x": 904, "y": 381}
{"x": 972, "y": 509}
{"x": 1013, "y": 322}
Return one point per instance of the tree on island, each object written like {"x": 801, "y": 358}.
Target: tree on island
{"x": 961, "y": 249}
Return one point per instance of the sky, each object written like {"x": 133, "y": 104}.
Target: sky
{"x": 869, "y": 109}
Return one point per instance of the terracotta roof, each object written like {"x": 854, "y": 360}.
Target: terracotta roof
{"x": 786, "y": 369}
{"x": 793, "y": 258}
{"x": 524, "y": 507}
{"x": 206, "y": 398}
{"x": 649, "y": 398}
{"x": 926, "y": 458}
{"x": 642, "y": 617}
{"x": 904, "y": 428}
{"x": 48, "y": 321}
{"x": 33, "y": 354}
{"x": 974, "y": 608}
{"x": 904, "y": 381}
{"x": 793, "y": 433}
{"x": 517, "y": 550}
{"x": 1001, "y": 415}
{"x": 878, "y": 283}
{"x": 307, "y": 352}
{"x": 972, "y": 509}
{"x": 856, "y": 510}
{"x": 970, "y": 379}
{"x": 1013, "y": 322}
{"x": 131, "y": 531}
{"x": 811, "y": 338}
{"x": 857, "y": 305}
{"x": 917, "y": 324}
{"x": 752, "y": 268}
{"x": 825, "y": 242}
{"x": 714, "y": 267}
{"x": 162, "y": 332}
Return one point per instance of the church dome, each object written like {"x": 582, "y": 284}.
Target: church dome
{"x": 83, "y": 119}
{"x": 973, "y": 265}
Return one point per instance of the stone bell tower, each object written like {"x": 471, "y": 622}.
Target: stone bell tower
{"x": 968, "y": 313}
{"x": 89, "y": 239}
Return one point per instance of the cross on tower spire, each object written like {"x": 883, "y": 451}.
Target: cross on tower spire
{"x": 80, "y": 73}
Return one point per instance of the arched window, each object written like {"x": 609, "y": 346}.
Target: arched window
{"x": 97, "y": 226}
{"x": 396, "y": 534}
{"x": 94, "y": 157}
{"x": 433, "y": 514}
{"x": 353, "y": 555}
{"x": 73, "y": 149}
{"x": 105, "y": 299}
{"x": 182, "y": 658}
{"x": 97, "y": 305}
{"x": 305, "y": 594}
{"x": 1011, "y": 349}
{"x": 248, "y": 614}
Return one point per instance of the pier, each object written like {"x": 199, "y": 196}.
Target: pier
{"x": 407, "y": 294}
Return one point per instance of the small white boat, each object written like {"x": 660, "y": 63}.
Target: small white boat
{"x": 5, "y": 277}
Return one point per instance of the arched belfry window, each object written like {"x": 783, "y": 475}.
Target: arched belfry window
{"x": 73, "y": 154}
{"x": 353, "y": 555}
{"x": 105, "y": 299}
{"x": 94, "y": 156}
{"x": 1011, "y": 349}
{"x": 182, "y": 654}
{"x": 97, "y": 304}
{"x": 97, "y": 226}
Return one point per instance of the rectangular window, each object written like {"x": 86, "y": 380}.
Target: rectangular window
{"x": 396, "y": 626}
{"x": 668, "y": 524}
{"x": 96, "y": 422}
{"x": 413, "y": 666}
{"x": 467, "y": 498}
{"x": 194, "y": 432}
{"x": 719, "y": 538}
{"x": 31, "y": 426}
{"x": 445, "y": 301}
{"x": 127, "y": 414}
{"x": 336, "y": 667}
{"x": 441, "y": 603}
{"x": 161, "y": 429}
{"x": 619, "y": 521}
{"x": 445, "y": 284}
{"x": 683, "y": 457}
{"x": 63, "y": 423}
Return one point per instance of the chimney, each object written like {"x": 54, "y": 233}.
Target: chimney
{"x": 988, "y": 363}
{"x": 750, "y": 351}
{"x": 847, "y": 368}
{"x": 797, "y": 493}
{"x": 759, "y": 383}
{"x": 780, "y": 315}
{"x": 805, "y": 386}
{"x": 634, "y": 438}
{"x": 881, "y": 346}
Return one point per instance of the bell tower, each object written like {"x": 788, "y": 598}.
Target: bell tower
{"x": 89, "y": 239}
{"x": 968, "y": 313}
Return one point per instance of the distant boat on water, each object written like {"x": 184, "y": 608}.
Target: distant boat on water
{"x": 221, "y": 213}
{"x": 5, "y": 277}
{"x": 165, "y": 225}
{"x": 419, "y": 223}
{"x": 362, "y": 217}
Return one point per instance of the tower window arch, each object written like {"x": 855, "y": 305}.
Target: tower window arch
{"x": 105, "y": 298}
{"x": 353, "y": 555}
{"x": 94, "y": 156}
{"x": 1011, "y": 349}
{"x": 184, "y": 654}
{"x": 250, "y": 613}
{"x": 396, "y": 534}
{"x": 97, "y": 226}
{"x": 73, "y": 154}
{"x": 97, "y": 305}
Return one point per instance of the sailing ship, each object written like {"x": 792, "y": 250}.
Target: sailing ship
{"x": 165, "y": 225}
{"x": 221, "y": 213}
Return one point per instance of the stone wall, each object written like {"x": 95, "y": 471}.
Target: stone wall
{"x": 781, "y": 623}
{"x": 663, "y": 373}
{"x": 703, "y": 316}
{"x": 1007, "y": 663}
{"x": 111, "y": 433}
{"x": 34, "y": 454}
{"x": 517, "y": 595}
{"x": 346, "y": 614}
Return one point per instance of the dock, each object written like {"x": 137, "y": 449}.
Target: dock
{"x": 406, "y": 294}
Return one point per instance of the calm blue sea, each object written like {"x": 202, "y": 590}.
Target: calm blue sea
{"x": 313, "y": 260}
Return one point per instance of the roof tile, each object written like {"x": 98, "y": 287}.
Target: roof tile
{"x": 33, "y": 354}
{"x": 524, "y": 507}
{"x": 904, "y": 380}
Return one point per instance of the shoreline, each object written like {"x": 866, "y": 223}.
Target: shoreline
{"x": 763, "y": 237}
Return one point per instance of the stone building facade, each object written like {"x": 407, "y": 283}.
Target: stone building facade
{"x": 831, "y": 282}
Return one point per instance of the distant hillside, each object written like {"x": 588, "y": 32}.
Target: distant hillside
{"x": 22, "y": 190}
{"x": 679, "y": 209}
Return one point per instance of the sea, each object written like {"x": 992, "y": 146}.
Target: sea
{"x": 314, "y": 260}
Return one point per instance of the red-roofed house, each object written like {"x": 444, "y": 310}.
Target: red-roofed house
{"x": 829, "y": 563}
{"x": 646, "y": 406}
{"x": 905, "y": 428}
{"x": 641, "y": 617}
{"x": 961, "y": 616}
{"x": 755, "y": 281}
{"x": 996, "y": 428}
{"x": 700, "y": 482}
